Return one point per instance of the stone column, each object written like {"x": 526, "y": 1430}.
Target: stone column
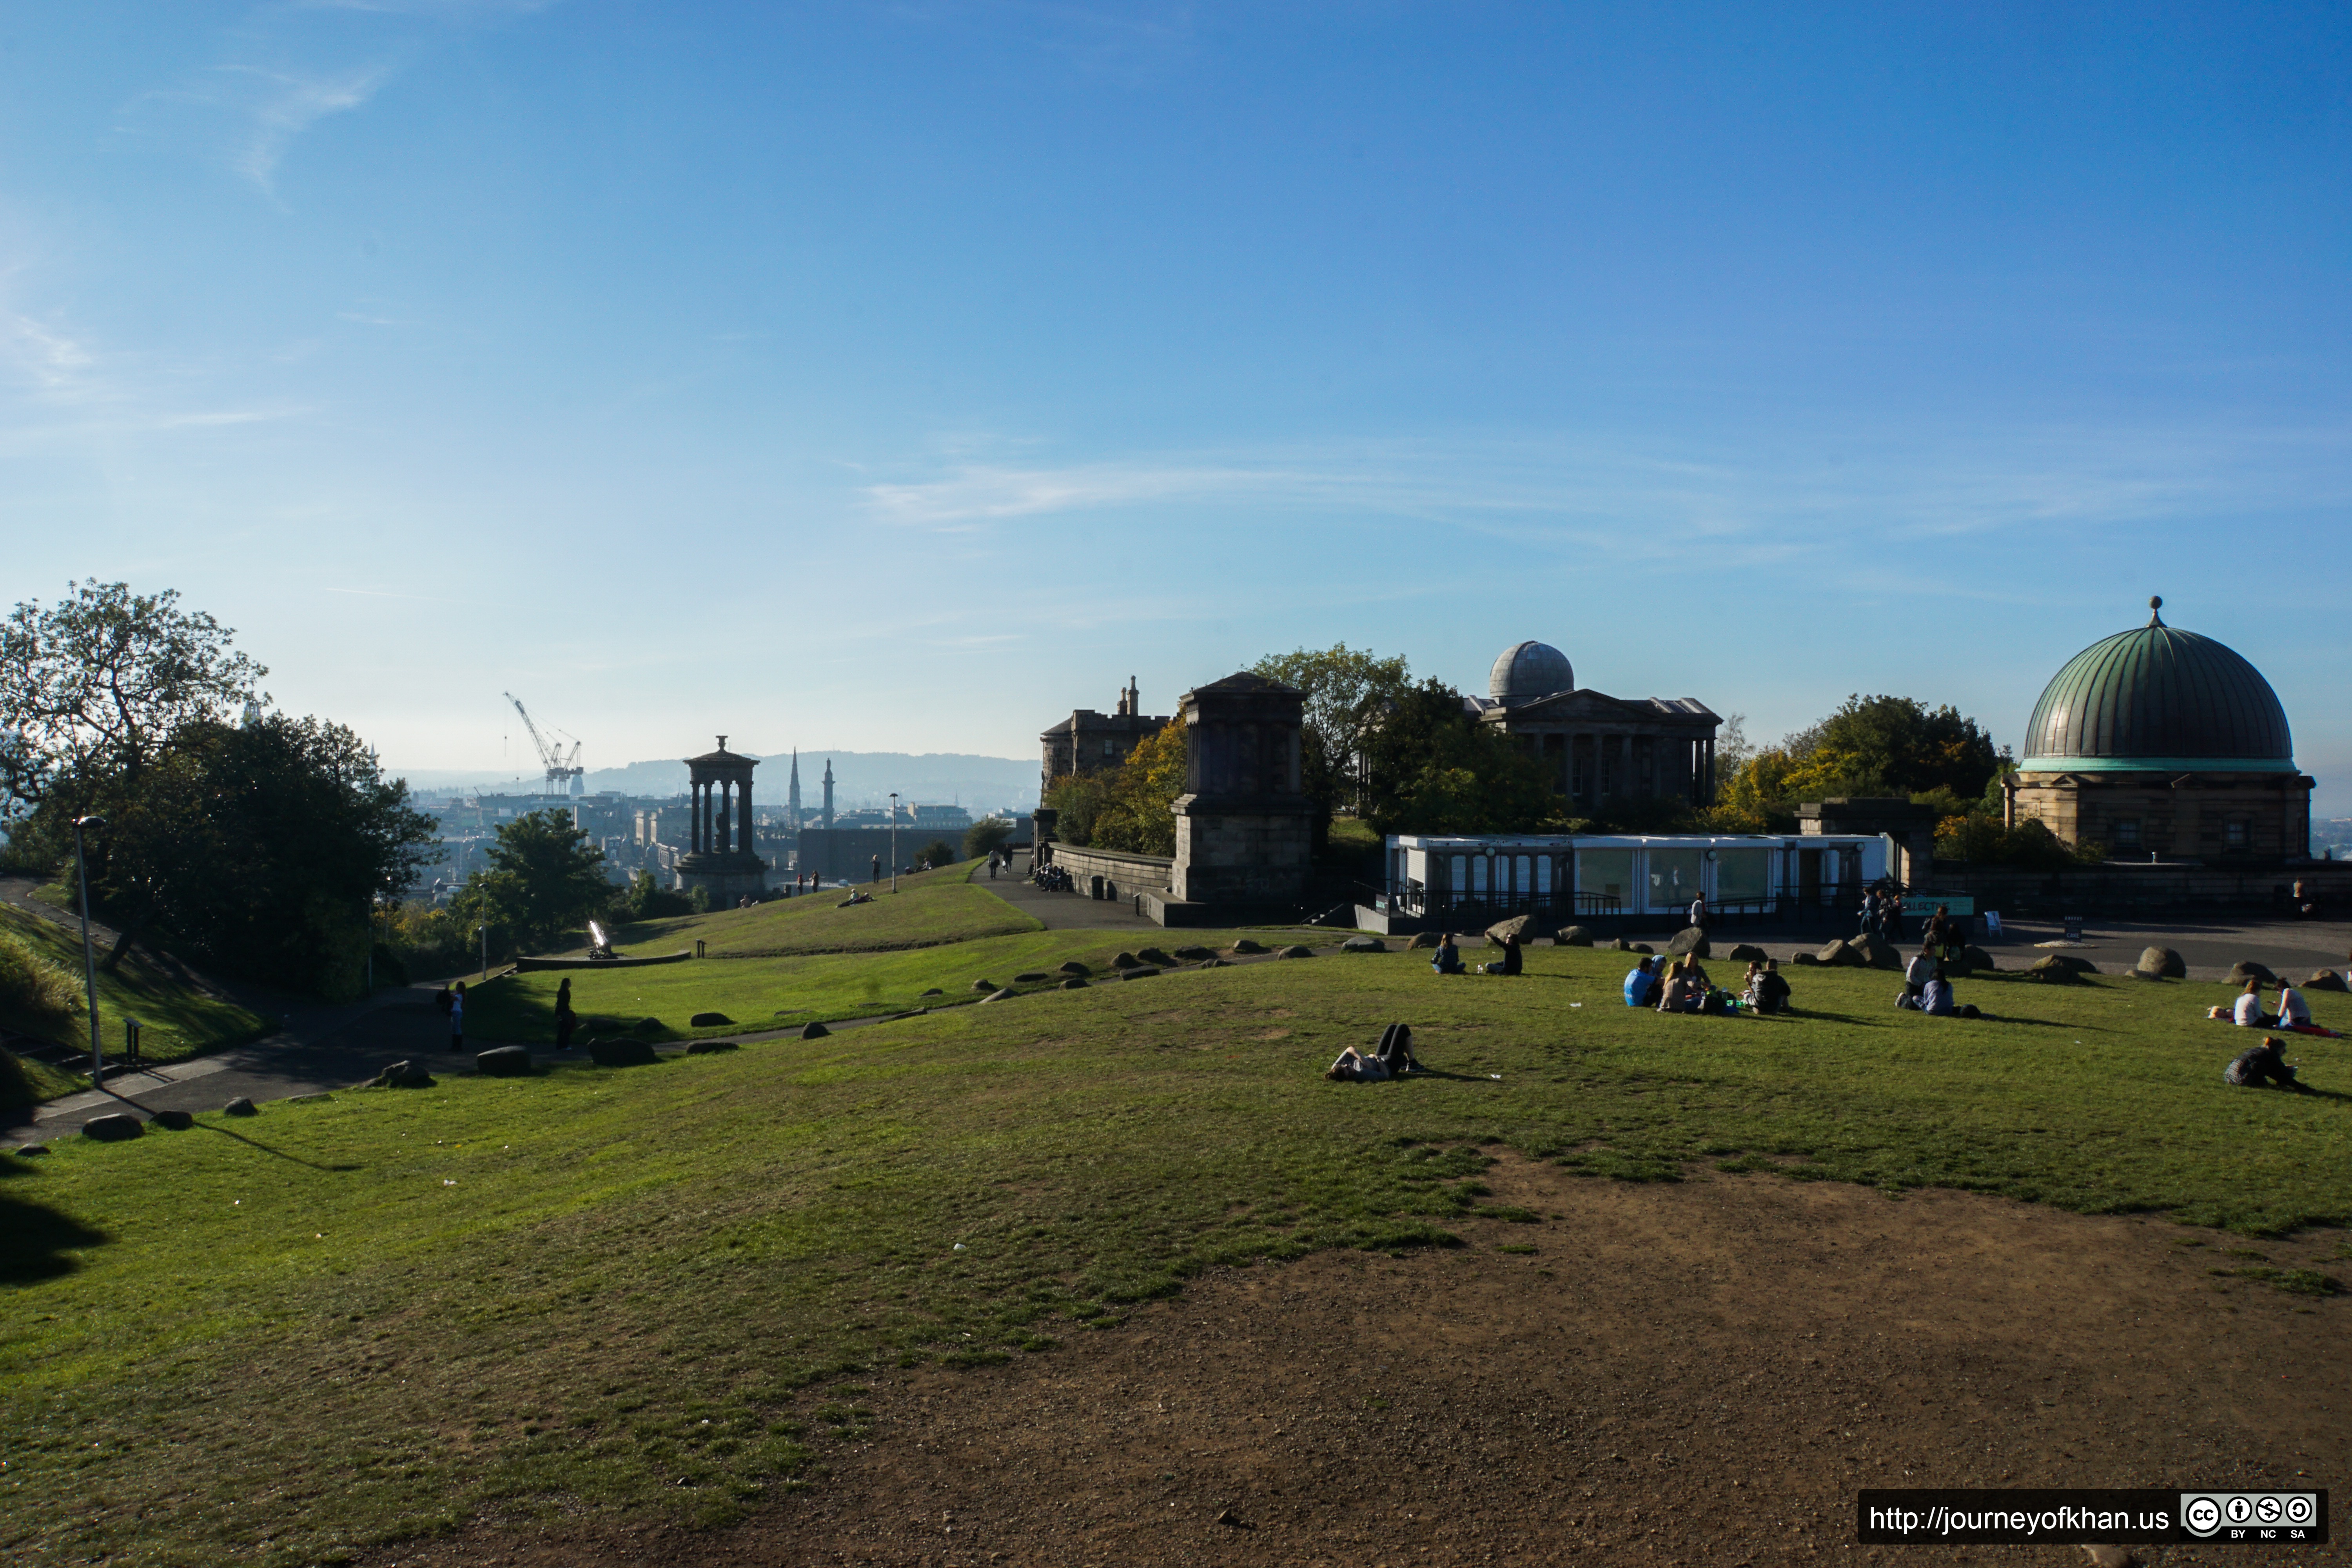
{"x": 743, "y": 816}
{"x": 694, "y": 820}
{"x": 724, "y": 843}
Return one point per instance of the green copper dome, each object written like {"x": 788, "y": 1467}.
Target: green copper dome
{"x": 2159, "y": 698}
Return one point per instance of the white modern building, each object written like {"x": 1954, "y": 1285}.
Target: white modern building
{"x": 1612, "y": 878}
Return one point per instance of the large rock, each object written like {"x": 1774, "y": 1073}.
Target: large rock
{"x": 1841, "y": 952}
{"x": 708, "y": 1021}
{"x": 1505, "y": 929}
{"x": 1075, "y": 983}
{"x": 404, "y": 1075}
{"x": 813, "y": 1031}
{"x": 2067, "y": 961}
{"x": 998, "y": 995}
{"x": 1423, "y": 939}
{"x": 986, "y": 985}
{"x": 710, "y": 1047}
{"x": 1975, "y": 958}
{"x": 651, "y": 1027}
{"x": 1572, "y": 936}
{"x": 2058, "y": 969}
{"x": 1249, "y": 944}
{"x": 1363, "y": 944}
{"x": 1146, "y": 972}
{"x": 241, "y": 1106}
{"x": 2246, "y": 969}
{"x": 31, "y": 1151}
{"x": 1875, "y": 951}
{"x": 505, "y": 1061}
{"x": 1295, "y": 949}
{"x": 113, "y": 1128}
{"x": 1031, "y": 977}
{"x": 2326, "y": 980}
{"x": 622, "y": 1052}
{"x": 1153, "y": 956}
{"x": 1690, "y": 940}
{"x": 173, "y": 1120}
{"x": 2162, "y": 961}
{"x": 1747, "y": 953}
{"x": 1196, "y": 955}
{"x": 1075, "y": 967}
{"x": 1805, "y": 958}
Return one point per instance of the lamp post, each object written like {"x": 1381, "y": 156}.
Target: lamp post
{"x": 894, "y": 842}
{"x": 88, "y": 962}
{"x": 483, "y": 932}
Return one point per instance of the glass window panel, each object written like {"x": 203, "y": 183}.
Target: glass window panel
{"x": 1543, "y": 874}
{"x": 1742, "y": 874}
{"x": 1461, "y": 881}
{"x": 1674, "y": 877}
{"x": 1606, "y": 873}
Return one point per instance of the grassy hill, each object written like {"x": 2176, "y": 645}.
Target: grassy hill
{"x": 178, "y": 1020}
{"x": 655, "y": 1289}
{"x": 936, "y": 906}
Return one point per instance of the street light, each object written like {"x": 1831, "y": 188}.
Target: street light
{"x": 484, "y": 932}
{"x": 894, "y": 840}
{"x": 88, "y": 964}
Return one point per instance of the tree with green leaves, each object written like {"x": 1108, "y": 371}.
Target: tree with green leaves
{"x": 544, "y": 877}
{"x": 96, "y": 688}
{"x": 1347, "y": 691}
{"x": 985, "y": 836}
{"x": 1432, "y": 766}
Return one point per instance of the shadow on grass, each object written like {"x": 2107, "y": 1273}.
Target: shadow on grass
{"x": 280, "y": 1153}
{"x": 35, "y": 1243}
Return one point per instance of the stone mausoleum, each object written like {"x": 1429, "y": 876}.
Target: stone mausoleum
{"x": 1596, "y": 746}
{"x": 721, "y": 857}
{"x": 2162, "y": 744}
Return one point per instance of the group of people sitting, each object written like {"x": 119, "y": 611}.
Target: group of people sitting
{"x": 2248, "y": 1013}
{"x": 1447, "y": 959}
{"x": 1683, "y": 986}
{"x": 1928, "y": 989}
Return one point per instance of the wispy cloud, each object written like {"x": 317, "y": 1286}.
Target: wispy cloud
{"x": 272, "y": 108}
{"x": 43, "y": 354}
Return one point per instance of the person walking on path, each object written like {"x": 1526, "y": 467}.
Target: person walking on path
{"x": 565, "y": 1018}
{"x": 1698, "y": 912}
{"x": 457, "y": 1018}
{"x": 877, "y": 868}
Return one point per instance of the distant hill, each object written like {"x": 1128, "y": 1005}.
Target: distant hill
{"x": 860, "y": 778}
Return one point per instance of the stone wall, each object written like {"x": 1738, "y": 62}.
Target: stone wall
{"x": 1113, "y": 873}
{"x": 1245, "y": 857}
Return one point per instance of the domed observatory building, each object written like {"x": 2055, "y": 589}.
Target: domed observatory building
{"x": 2163, "y": 744}
{"x": 1595, "y": 746}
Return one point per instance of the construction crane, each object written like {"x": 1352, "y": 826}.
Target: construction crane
{"x": 561, "y": 769}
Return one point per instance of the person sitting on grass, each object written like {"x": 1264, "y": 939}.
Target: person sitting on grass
{"x": 2248, "y": 1012}
{"x": 2259, "y": 1065}
{"x": 2293, "y": 1012}
{"x": 1915, "y": 975}
{"x": 1936, "y": 998}
{"x": 1449, "y": 957}
{"x": 1681, "y": 994}
{"x": 1767, "y": 992}
{"x": 1512, "y": 960}
{"x": 1641, "y": 984}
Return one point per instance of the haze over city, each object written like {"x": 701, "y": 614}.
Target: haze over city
{"x": 898, "y": 378}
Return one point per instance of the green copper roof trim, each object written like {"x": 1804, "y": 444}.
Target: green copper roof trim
{"x": 2158, "y": 697}
{"x": 2157, "y": 765}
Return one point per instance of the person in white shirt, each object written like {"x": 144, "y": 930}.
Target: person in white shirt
{"x": 2248, "y": 1014}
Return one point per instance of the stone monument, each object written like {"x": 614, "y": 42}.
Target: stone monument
{"x": 721, "y": 858}
{"x": 1244, "y": 827}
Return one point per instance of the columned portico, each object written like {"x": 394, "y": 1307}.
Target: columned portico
{"x": 722, "y": 862}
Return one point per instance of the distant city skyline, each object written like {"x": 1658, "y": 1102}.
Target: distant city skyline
{"x": 869, "y": 370}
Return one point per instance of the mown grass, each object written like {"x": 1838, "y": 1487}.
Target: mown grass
{"x": 178, "y": 1021}
{"x": 644, "y": 1289}
{"x": 786, "y": 993}
{"x": 934, "y": 907}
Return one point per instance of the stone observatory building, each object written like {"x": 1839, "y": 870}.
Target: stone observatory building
{"x": 1595, "y": 746}
{"x": 2160, "y": 743}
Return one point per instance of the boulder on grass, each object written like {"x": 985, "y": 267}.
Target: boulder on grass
{"x": 1295, "y": 949}
{"x": 1747, "y": 953}
{"x": 173, "y": 1120}
{"x": 2068, "y": 961}
{"x": 1691, "y": 940}
{"x": 935, "y": 991}
{"x": 1196, "y": 955}
{"x": 1073, "y": 983}
{"x": 708, "y": 1021}
{"x": 241, "y": 1106}
{"x": 1214, "y": 964}
{"x": 1031, "y": 977}
{"x": 1248, "y": 944}
{"x": 1974, "y": 958}
{"x": 1126, "y": 961}
{"x": 2162, "y": 961}
{"x": 707, "y": 1048}
{"x": 2052, "y": 969}
{"x": 31, "y": 1151}
{"x": 998, "y": 995}
{"x": 1153, "y": 956}
{"x": 986, "y": 985}
{"x": 1841, "y": 952}
{"x": 1640, "y": 947}
{"x": 2246, "y": 969}
{"x": 1363, "y": 944}
{"x": 651, "y": 1027}
{"x": 1805, "y": 957}
{"x": 1146, "y": 972}
{"x": 504, "y": 1061}
{"x": 114, "y": 1128}
{"x": 1075, "y": 967}
{"x": 624, "y": 1052}
{"x": 1422, "y": 939}
{"x": 1875, "y": 951}
{"x": 1572, "y": 936}
{"x": 404, "y": 1075}
{"x": 813, "y": 1031}
{"x": 2326, "y": 980}
{"x": 1504, "y": 931}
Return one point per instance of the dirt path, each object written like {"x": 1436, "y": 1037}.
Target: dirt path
{"x": 1703, "y": 1371}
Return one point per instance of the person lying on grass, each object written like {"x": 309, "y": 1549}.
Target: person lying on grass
{"x": 1391, "y": 1058}
{"x": 2259, "y": 1065}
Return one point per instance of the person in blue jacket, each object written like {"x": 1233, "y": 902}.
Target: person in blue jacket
{"x": 1642, "y": 986}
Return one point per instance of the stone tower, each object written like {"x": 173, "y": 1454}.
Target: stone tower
{"x": 793, "y": 794}
{"x": 1244, "y": 827}
{"x": 826, "y": 821}
{"x": 723, "y": 860}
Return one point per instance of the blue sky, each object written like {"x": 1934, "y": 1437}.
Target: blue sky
{"x": 901, "y": 376}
